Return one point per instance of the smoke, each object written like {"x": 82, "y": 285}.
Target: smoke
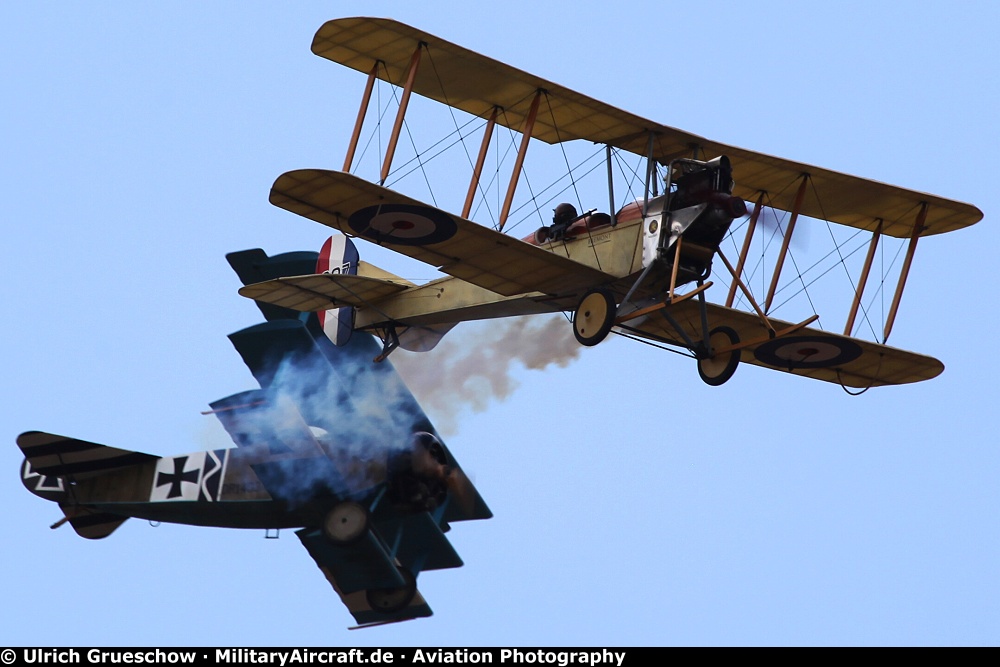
{"x": 473, "y": 365}
{"x": 329, "y": 422}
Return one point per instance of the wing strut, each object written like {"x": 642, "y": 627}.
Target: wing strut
{"x": 480, "y": 160}
{"x": 362, "y": 112}
{"x": 918, "y": 227}
{"x": 649, "y": 174}
{"x": 404, "y": 101}
{"x": 745, "y": 250}
{"x": 863, "y": 280}
{"x": 529, "y": 125}
{"x": 737, "y": 282}
{"x": 611, "y": 188}
{"x": 796, "y": 207}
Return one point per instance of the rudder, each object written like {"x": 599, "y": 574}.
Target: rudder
{"x": 338, "y": 255}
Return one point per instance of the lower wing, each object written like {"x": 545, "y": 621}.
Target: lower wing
{"x": 808, "y": 352}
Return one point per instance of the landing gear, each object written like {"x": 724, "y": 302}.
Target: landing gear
{"x": 389, "y": 600}
{"x": 345, "y": 523}
{"x": 716, "y": 369}
{"x": 594, "y": 317}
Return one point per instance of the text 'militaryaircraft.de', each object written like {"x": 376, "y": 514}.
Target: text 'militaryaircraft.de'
{"x": 332, "y": 444}
{"x": 642, "y": 269}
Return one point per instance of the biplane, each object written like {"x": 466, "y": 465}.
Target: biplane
{"x": 642, "y": 269}
{"x": 331, "y": 444}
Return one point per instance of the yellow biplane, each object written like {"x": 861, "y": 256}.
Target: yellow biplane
{"x": 641, "y": 269}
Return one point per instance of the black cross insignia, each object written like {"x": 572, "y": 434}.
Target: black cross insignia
{"x": 175, "y": 478}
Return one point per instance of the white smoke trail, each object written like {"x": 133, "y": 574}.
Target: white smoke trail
{"x": 473, "y": 365}
{"x": 342, "y": 417}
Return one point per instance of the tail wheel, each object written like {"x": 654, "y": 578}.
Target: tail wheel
{"x": 345, "y": 523}
{"x": 389, "y": 600}
{"x": 594, "y": 317}
{"x": 716, "y": 369}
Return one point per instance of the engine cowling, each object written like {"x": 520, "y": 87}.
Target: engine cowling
{"x": 418, "y": 475}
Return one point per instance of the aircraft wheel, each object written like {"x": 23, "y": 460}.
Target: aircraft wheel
{"x": 345, "y": 523}
{"x": 717, "y": 369}
{"x": 389, "y": 600}
{"x": 594, "y": 317}
{"x": 541, "y": 235}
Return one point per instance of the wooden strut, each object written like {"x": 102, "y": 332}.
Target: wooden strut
{"x": 677, "y": 264}
{"x": 480, "y": 160}
{"x": 661, "y": 305}
{"x": 796, "y": 207}
{"x": 918, "y": 227}
{"x": 770, "y": 336}
{"x": 611, "y": 188}
{"x": 362, "y": 112}
{"x": 745, "y": 250}
{"x": 529, "y": 126}
{"x": 401, "y": 112}
{"x": 649, "y": 175}
{"x": 747, "y": 294}
{"x": 863, "y": 279}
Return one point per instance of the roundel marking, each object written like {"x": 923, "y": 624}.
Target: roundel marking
{"x": 807, "y": 352}
{"x": 402, "y": 224}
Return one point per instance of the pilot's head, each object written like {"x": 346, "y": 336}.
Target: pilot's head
{"x": 563, "y": 213}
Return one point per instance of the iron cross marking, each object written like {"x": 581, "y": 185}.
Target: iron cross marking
{"x": 175, "y": 478}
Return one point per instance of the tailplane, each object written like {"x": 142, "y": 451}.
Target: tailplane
{"x": 334, "y": 286}
{"x": 53, "y": 466}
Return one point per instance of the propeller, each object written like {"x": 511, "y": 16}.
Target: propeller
{"x": 428, "y": 460}
{"x": 772, "y": 227}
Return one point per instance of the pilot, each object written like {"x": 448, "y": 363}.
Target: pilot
{"x": 563, "y": 214}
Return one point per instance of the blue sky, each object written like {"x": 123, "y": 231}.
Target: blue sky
{"x": 633, "y": 504}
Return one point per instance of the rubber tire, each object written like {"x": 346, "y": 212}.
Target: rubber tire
{"x": 346, "y": 523}
{"x": 594, "y": 317}
{"x": 541, "y": 235}
{"x": 391, "y": 600}
{"x": 715, "y": 371}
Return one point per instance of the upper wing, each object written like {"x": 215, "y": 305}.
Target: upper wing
{"x": 459, "y": 247}
{"x": 475, "y": 83}
{"x": 808, "y": 352}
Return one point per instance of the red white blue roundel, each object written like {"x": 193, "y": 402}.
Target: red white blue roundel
{"x": 402, "y": 224}
{"x": 807, "y": 352}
